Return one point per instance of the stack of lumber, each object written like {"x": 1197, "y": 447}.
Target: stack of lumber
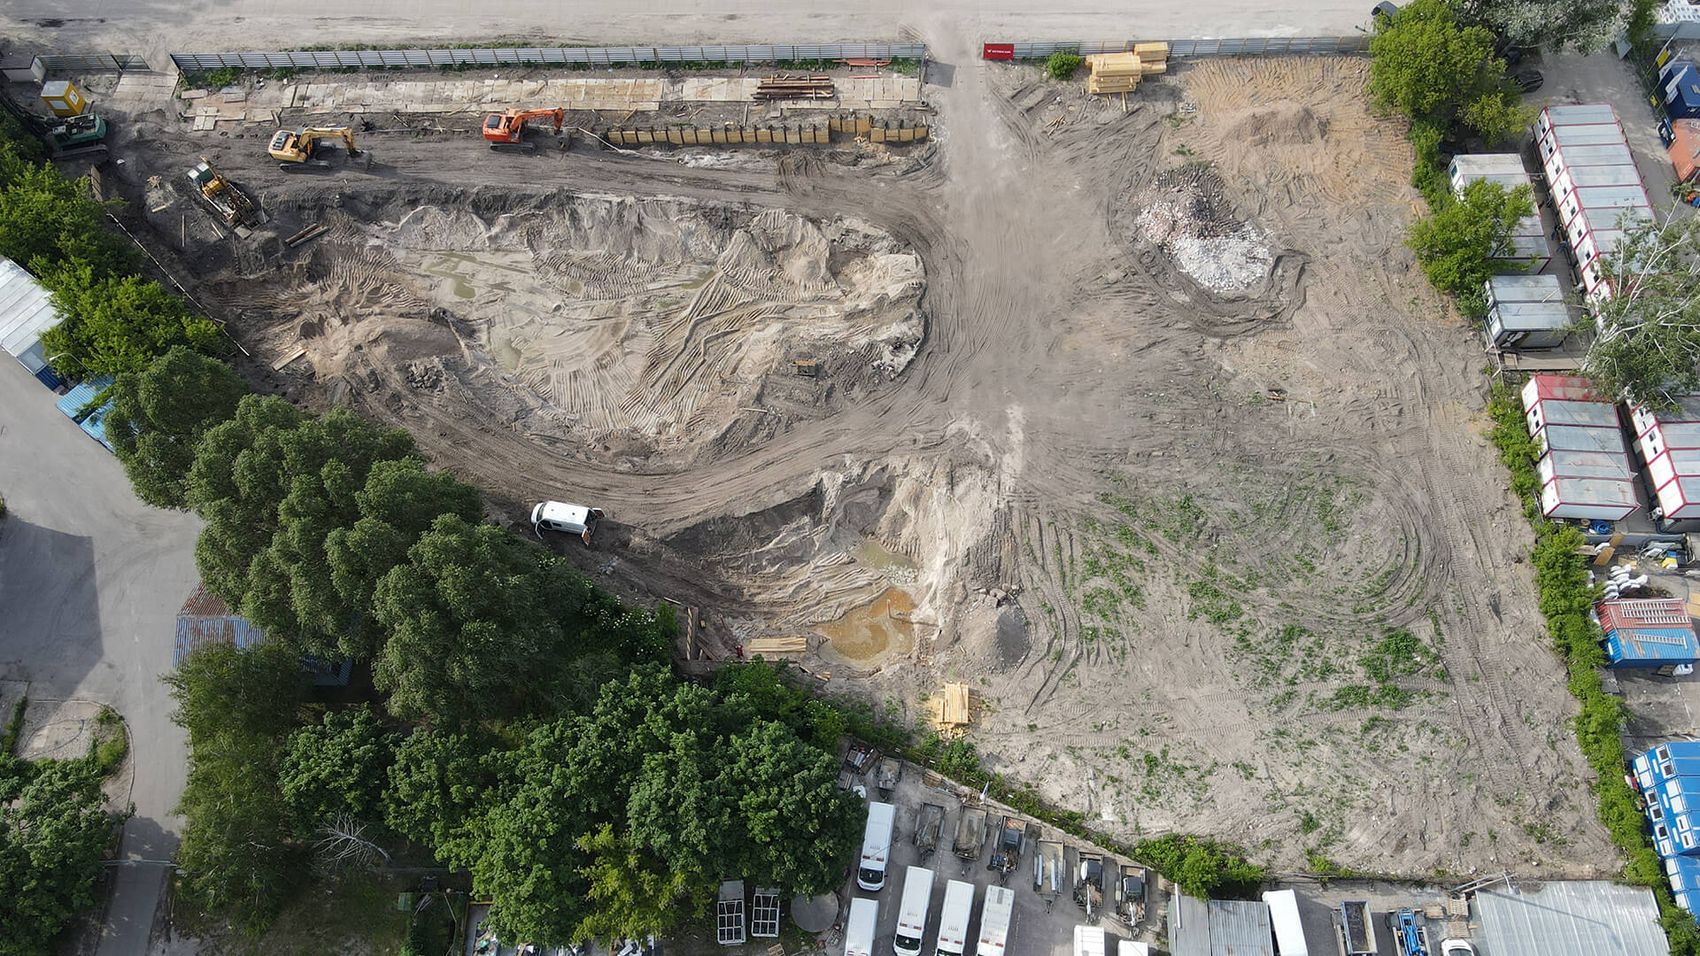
{"x": 1114, "y": 73}
{"x": 776, "y": 646}
{"x": 1153, "y": 57}
{"x": 784, "y": 87}
{"x": 950, "y": 710}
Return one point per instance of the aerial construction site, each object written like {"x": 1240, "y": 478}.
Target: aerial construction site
{"x": 1127, "y": 411}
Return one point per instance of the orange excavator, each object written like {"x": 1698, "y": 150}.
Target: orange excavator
{"x": 506, "y": 130}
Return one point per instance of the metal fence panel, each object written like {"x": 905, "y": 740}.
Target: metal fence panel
{"x": 505, "y": 56}
{"x": 1233, "y": 46}
{"x": 86, "y": 62}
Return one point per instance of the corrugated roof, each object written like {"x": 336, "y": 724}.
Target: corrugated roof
{"x": 1189, "y": 926}
{"x": 1489, "y": 164}
{"x": 1240, "y": 928}
{"x": 1573, "y": 113}
{"x": 1567, "y": 138}
{"x": 204, "y": 619}
{"x": 26, "y": 309}
{"x": 1581, "y": 438}
{"x": 1582, "y": 918}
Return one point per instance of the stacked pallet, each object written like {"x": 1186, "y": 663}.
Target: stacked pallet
{"x": 815, "y": 86}
{"x": 1121, "y": 72}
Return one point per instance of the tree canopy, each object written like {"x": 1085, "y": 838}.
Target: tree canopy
{"x": 1648, "y": 344}
{"x": 1586, "y": 26}
{"x": 118, "y": 324}
{"x": 1428, "y": 67}
{"x": 53, "y": 829}
{"x": 1454, "y": 243}
{"x": 159, "y": 415}
{"x": 48, "y": 220}
{"x": 338, "y": 766}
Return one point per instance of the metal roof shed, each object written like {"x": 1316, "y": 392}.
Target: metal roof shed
{"x": 1189, "y": 926}
{"x": 1576, "y": 114}
{"x": 1240, "y": 928}
{"x": 1650, "y": 633}
{"x": 26, "y": 311}
{"x": 1582, "y": 918}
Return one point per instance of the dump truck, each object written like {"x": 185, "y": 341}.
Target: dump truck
{"x": 970, "y": 833}
{"x": 1130, "y": 894}
{"x": 1357, "y": 930}
{"x": 1089, "y": 884}
{"x": 1006, "y": 850}
{"x": 886, "y": 775}
{"x": 1048, "y": 866}
{"x": 928, "y": 828}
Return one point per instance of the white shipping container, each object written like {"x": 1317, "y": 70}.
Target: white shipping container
{"x": 1284, "y": 921}
{"x": 1588, "y": 498}
{"x": 1088, "y": 941}
{"x": 1680, "y": 498}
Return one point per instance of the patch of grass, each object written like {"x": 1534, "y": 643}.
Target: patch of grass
{"x": 14, "y": 727}
{"x": 1061, "y": 65}
{"x": 1209, "y": 600}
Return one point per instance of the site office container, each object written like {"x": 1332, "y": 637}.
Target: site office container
{"x": 1527, "y": 325}
{"x": 1557, "y": 412}
{"x": 912, "y": 916}
{"x": 1585, "y": 464}
{"x": 1573, "y": 114}
{"x": 1671, "y": 759}
{"x": 954, "y": 916}
{"x": 1593, "y": 177}
{"x": 1591, "y": 499}
{"x": 876, "y": 846}
{"x": 1604, "y": 206}
{"x": 994, "y": 921}
{"x": 1665, "y": 436}
{"x": 1557, "y": 160}
{"x": 1578, "y": 438}
{"x": 1675, "y": 477}
{"x": 1547, "y": 386}
{"x": 860, "y": 926}
{"x": 1507, "y": 169}
{"x": 1683, "y": 872}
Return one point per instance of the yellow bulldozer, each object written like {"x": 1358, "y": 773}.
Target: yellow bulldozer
{"x": 224, "y": 198}
{"x": 296, "y": 149}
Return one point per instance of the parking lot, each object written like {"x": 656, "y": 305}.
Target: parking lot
{"x": 1037, "y": 927}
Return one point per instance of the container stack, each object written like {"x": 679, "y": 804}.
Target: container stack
{"x": 1593, "y": 483}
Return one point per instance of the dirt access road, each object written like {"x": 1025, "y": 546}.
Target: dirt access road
{"x": 155, "y": 29}
{"x": 1219, "y": 552}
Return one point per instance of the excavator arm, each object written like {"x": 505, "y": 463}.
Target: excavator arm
{"x": 507, "y": 128}
{"x": 298, "y": 146}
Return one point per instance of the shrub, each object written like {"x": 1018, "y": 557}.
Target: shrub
{"x": 1062, "y": 65}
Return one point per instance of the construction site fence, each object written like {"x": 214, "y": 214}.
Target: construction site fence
{"x": 546, "y": 56}
{"x": 90, "y": 62}
{"x": 837, "y": 127}
{"x": 1243, "y": 46}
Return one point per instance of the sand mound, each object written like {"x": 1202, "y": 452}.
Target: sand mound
{"x": 1280, "y": 123}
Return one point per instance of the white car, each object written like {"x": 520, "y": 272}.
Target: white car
{"x": 560, "y": 516}
{"x": 1456, "y": 947}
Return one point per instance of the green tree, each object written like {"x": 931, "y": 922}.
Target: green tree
{"x": 633, "y": 895}
{"x": 337, "y": 766}
{"x": 439, "y": 785}
{"x": 481, "y": 624}
{"x": 53, "y": 831}
{"x": 1586, "y": 26}
{"x": 1649, "y": 326}
{"x": 159, "y": 415}
{"x": 789, "y": 824}
{"x": 1454, "y": 244}
{"x": 398, "y": 504}
{"x": 1426, "y": 66}
{"x": 118, "y": 324}
{"x": 235, "y": 484}
{"x": 237, "y": 857}
{"x": 47, "y": 219}
{"x": 1200, "y": 866}
{"x": 1061, "y": 65}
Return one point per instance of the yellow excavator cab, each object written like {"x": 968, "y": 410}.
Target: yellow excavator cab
{"x": 298, "y": 146}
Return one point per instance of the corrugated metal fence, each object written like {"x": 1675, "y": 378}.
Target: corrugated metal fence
{"x": 516, "y": 56}
{"x": 1242, "y": 46}
{"x": 85, "y": 62}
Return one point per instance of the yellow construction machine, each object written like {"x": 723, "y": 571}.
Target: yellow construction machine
{"x": 295, "y": 149}
{"x": 226, "y": 200}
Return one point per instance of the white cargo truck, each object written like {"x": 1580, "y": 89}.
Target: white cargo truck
{"x": 953, "y": 919}
{"x": 994, "y": 921}
{"x": 876, "y": 847}
{"x": 859, "y": 928}
{"x": 912, "y": 917}
{"x": 1284, "y": 921}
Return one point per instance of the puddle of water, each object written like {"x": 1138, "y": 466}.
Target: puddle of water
{"x": 876, "y": 555}
{"x": 870, "y": 631}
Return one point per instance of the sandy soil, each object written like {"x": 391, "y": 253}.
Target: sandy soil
{"x": 1162, "y": 522}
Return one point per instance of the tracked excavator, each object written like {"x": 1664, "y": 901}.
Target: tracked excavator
{"x": 295, "y": 149}
{"x": 506, "y": 130}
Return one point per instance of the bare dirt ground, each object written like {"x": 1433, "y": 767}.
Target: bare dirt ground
{"x": 1137, "y": 418}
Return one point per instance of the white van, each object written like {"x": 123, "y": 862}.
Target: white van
{"x": 859, "y": 928}
{"x": 912, "y": 918}
{"x": 1088, "y": 941}
{"x": 876, "y": 847}
{"x": 994, "y": 921}
{"x": 560, "y": 516}
{"x": 953, "y": 919}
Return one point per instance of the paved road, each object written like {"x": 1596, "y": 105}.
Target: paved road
{"x": 90, "y": 583}
{"x": 154, "y": 27}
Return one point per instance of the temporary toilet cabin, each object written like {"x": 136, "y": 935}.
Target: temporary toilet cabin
{"x": 1648, "y": 633}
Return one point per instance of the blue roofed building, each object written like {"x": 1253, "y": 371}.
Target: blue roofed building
{"x": 1673, "y": 808}
{"x": 1679, "y": 88}
{"x": 1684, "y": 875}
{"x": 1676, "y": 758}
{"x": 1653, "y": 634}
{"x": 76, "y": 405}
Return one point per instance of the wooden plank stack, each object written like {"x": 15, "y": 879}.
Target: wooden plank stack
{"x": 1121, "y": 72}
{"x": 815, "y": 86}
{"x": 770, "y": 647}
